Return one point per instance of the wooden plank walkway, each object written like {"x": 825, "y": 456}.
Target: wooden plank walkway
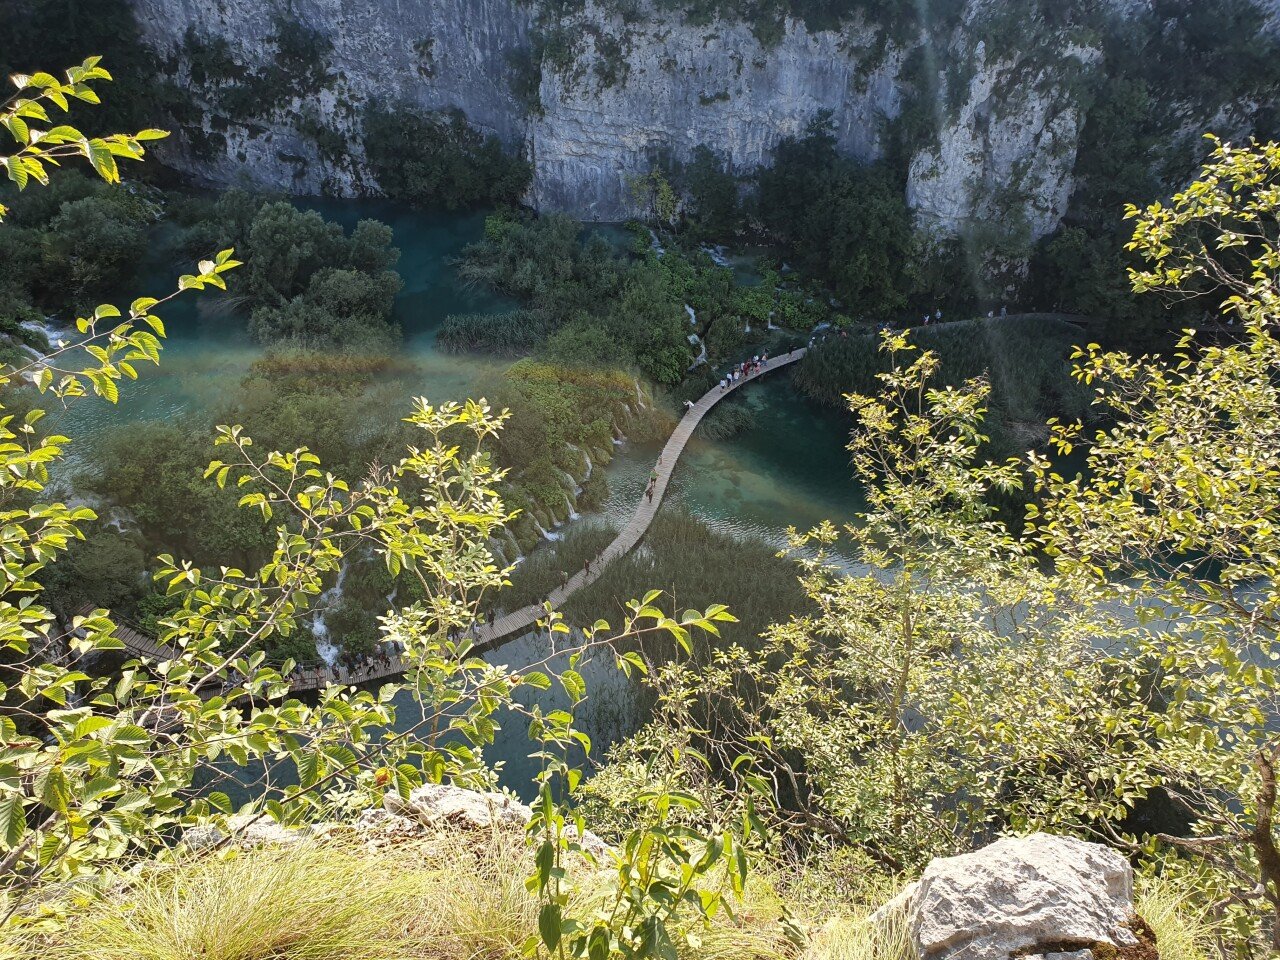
{"x": 490, "y": 636}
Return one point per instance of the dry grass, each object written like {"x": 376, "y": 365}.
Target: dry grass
{"x": 448, "y": 899}
{"x": 463, "y": 898}
{"x": 1183, "y": 930}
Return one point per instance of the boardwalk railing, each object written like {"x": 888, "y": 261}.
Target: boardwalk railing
{"x": 490, "y": 635}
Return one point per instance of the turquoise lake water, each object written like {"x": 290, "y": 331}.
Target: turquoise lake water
{"x": 788, "y": 469}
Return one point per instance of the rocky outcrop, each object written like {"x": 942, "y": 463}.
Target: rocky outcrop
{"x": 594, "y": 98}
{"x": 432, "y": 810}
{"x": 686, "y": 87}
{"x": 1006, "y": 156}
{"x": 439, "y": 55}
{"x": 243, "y": 830}
{"x": 1041, "y": 895}
{"x": 438, "y": 805}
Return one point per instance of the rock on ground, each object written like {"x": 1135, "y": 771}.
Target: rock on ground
{"x": 246, "y": 830}
{"x": 438, "y": 804}
{"x": 1047, "y": 896}
{"x": 442, "y": 805}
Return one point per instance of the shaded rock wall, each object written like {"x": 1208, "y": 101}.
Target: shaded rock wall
{"x": 619, "y": 95}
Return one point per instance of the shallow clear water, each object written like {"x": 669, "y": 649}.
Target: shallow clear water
{"x": 207, "y": 352}
{"x": 788, "y": 469}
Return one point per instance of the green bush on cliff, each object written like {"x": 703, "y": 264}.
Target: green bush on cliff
{"x": 440, "y": 161}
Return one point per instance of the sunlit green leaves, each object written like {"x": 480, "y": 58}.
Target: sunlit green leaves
{"x": 40, "y": 148}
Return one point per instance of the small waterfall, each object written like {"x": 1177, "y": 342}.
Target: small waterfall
{"x": 546, "y": 534}
{"x": 717, "y": 255}
{"x": 693, "y": 315}
{"x": 587, "y": 463}
{"x": 702, "y": 353}
{"x": 655, "y": 245}
{"x": 325, "y": 647}
{"x": 572, "y": 490}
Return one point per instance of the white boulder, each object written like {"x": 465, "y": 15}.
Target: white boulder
{"x": 442, "y": 805}
{"x": 1020, "y": 897}
{"x": 438, "y": 804}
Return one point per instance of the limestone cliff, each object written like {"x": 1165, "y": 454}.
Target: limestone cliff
{"x": 594, "y": 98}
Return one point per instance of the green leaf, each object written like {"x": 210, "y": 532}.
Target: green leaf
{"x": 549, "y": 918}
{"x": 13, "y": 823}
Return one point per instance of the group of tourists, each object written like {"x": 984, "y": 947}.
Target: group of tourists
{"x": 744, "y": 370}
{"x": 354, "y": 669}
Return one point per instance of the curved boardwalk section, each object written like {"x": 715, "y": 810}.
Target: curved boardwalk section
{"x": 489, "y": 636}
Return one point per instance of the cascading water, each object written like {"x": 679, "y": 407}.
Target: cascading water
{"x": 717, "y": 255}
{"x": 325, "y": 647}
{"x": 701, "y": 358}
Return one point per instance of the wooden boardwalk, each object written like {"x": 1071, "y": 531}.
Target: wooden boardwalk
{"x": 490, "y": 636}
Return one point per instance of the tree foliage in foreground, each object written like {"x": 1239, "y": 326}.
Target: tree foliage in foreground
{"x": 99, "y": 772}
{"x": 1112, "y": 661}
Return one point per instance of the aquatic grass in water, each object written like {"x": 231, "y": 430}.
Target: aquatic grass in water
{"x": 695, "y": 563}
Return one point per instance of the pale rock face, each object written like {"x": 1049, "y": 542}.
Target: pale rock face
{"x": 1004, "y": 159}
{"x": 1017, "y": 897}
{"x": 689, "y": 86}
{"x": 435, "y": 54}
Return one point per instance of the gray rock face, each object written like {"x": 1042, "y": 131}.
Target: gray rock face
{"x": 628, "y": 93}
{"x": 687, "y": 87}
{"x": 618, "y": 95}
{"x": 434, "y": 54}
{"x": 1045, "y": 895}
{"x": 1007, "y": 155}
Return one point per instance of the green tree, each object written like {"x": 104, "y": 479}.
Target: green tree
{"x": 439, "y": 160}
{"x": 936, "y": 696}
{"x": 1176, "y": 519}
